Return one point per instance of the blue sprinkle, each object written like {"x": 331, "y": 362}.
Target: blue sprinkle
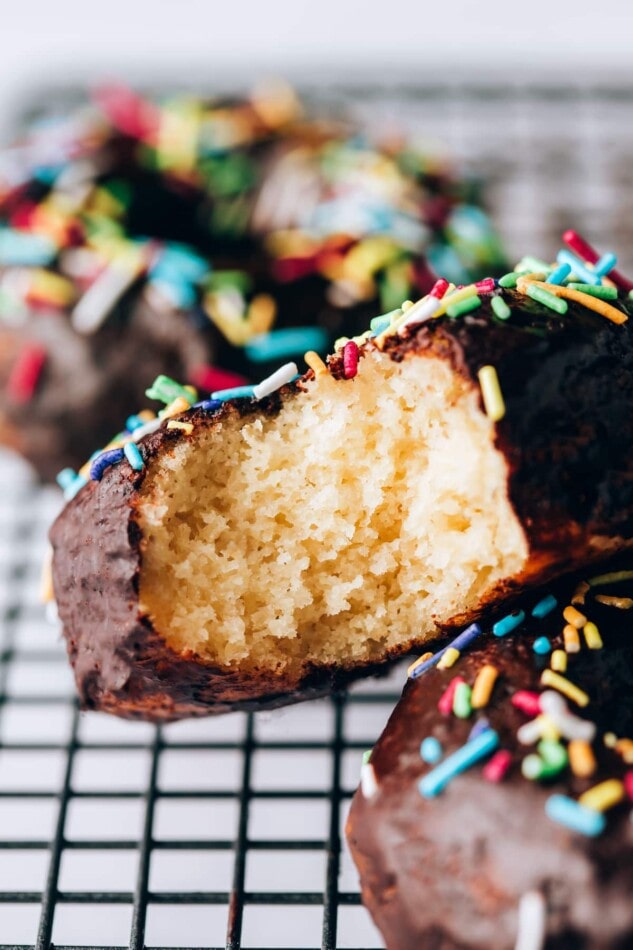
{"x": 133, "y": 456}
{"x": 542, "y": 646}
{"x": 606, "y": 263}
{"x": 209, "y": 405}
{"x": 464, "y": 639}
{"x": 559, "y": 274}
{"x": 579, "y": 268}
{"x": 103, "y": 461}
{"x": 482, "y": 725}
{"x": 544, "y": 607}
{"x": 431, "y": 750}
{"x": 237, "y": 392}
{"x": 23, "y": 248}
{"x": 378, "y": 324}
{"x": 65, "y": 478}
{"x": 572, "y": 815}
{"x": 180, "y": 293}
{"x": 178, "y": 262}
{"x": 470, "y": 753}
{"x": 279, "y": 344}
{"x": 432, "y": 661}
{"x": 507, "y": 624}
{"x": 132, "y": 423}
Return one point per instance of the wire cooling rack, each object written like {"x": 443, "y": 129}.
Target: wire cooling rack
{"x": 227, "y": 832}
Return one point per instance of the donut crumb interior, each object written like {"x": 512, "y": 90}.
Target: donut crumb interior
{"x": 348, "y": 524}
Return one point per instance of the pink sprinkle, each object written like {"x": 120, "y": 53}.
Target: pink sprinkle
{"x": 485, "y": 286}
{"x": 628, "y": 784}
{"x": 25, "y": 373}
{"x": 439, "y": 288}
{"x": 129, "y": 113}
{"x": 445, "y": 703}
{"x": 583, "y": 249}
{"x": 527, "y": 702}
{"x": 213, "y": 379}
{"x": 496, "y": 769}
{"x": 350, "y": 359}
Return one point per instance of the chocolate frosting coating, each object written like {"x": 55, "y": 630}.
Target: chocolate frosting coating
{"x": 449, "y": 872}
{"x": 567, "y": 437}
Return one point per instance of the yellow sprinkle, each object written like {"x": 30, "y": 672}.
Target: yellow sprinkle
{"x": 559, "y": 661}
{"x": 581, "y": 758}
{"x": 405, "y": 305}
{"x": 491, "y": 393}
{"x": 420, "y": 660}
{"x": 179, "y": 404}
{"x": 46, "y": 582}
{"x": 610, "y": 740}
{"x": 591, "y": 303}
{"x": 603, "y": 796}
{"x": 549, "y": 729}
{"x": 580, "y": 593}
{"x": 315, "y": 363}
{"x": 613, "y": 578}
{"x": 449, "y": 299}
{"x": 564, "y": 686}
{"x": 146, "y": 415}
{"x": 572, "y": 640}
{"x": 624, "y": 748}
{"x": 622, "y": 603}
{"x": 185, "y": 426}
{"x": 592, "y": 636}
{"x": 261, "y": 314}
{"x": 483, "y": 686}
{"x": 448, "y": 659}
{"x": 574, "y": 617}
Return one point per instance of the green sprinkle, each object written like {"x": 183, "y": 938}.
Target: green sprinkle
{"x": 604, "y": 293}
{"x": 464, "y": 306}
{"x": 166, "y": 390}
{"x": 461, "y": 701}
{"x": 510, "y": 280}
{"x": 384, "y": 320}
{"x": 547, "y": 299}
{"x": 534, "y": 264}
{"x": 500, "y": 308}
{"x": 553, "y": 754}
{"x": 367, "y": 756}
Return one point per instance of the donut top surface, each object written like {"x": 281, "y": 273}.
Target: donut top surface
{"x": 249, "y": 215}
{"x": 502, "y": 786}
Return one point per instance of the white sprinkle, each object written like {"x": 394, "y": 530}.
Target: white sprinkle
{"x": 530, "y": 732}
{"x": 52, "y": 615}
{"x": 97, "y": 302}
{"x": 146, "y": 429}
{"x": 274, "y": 382}
{"x": 421, "y": 311}
{"x": 532, "y": 922}
{"x": 368, "y": 780}
{"x": 569, "y": 726}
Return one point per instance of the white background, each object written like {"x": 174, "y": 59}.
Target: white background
{"x": 47, "y": 40}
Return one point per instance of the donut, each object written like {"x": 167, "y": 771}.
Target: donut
{"x": 205, "y": 241}
{"x": 495, "y": 809}
{"x": 272, "y": 541}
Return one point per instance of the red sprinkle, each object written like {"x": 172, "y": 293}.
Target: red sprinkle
{"x": 212, "y": 378}
{"x": 527, "y": 702}
{"x": 26, "y": 372}
{"x": 485, "y": 286}
{"x": 128, "y": 112}
{"x": 439, "y": 288}
{"x": 445, "y": 703}
{"x": 576, "y": 243}
{"x": 287, "y": 269}
{"x": 628, "y": 784}
{"x": 350, "y": 359}
{"x": 496, "y": 769}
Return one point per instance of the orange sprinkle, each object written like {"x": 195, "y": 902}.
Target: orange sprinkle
{"x": 581, "y": 758}
{"x": 483, "y": 686}
{"x": 574, "y": 617}
{"x": 572, "y": 639}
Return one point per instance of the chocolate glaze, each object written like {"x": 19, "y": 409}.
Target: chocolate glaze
{"x": 570, "y": 457}
{"x": 449, "y": 872}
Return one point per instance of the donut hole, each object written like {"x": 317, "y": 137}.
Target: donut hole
{"x": 350, "y": 524}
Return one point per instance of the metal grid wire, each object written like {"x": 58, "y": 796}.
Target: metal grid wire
{"x": 227, "y": 832}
